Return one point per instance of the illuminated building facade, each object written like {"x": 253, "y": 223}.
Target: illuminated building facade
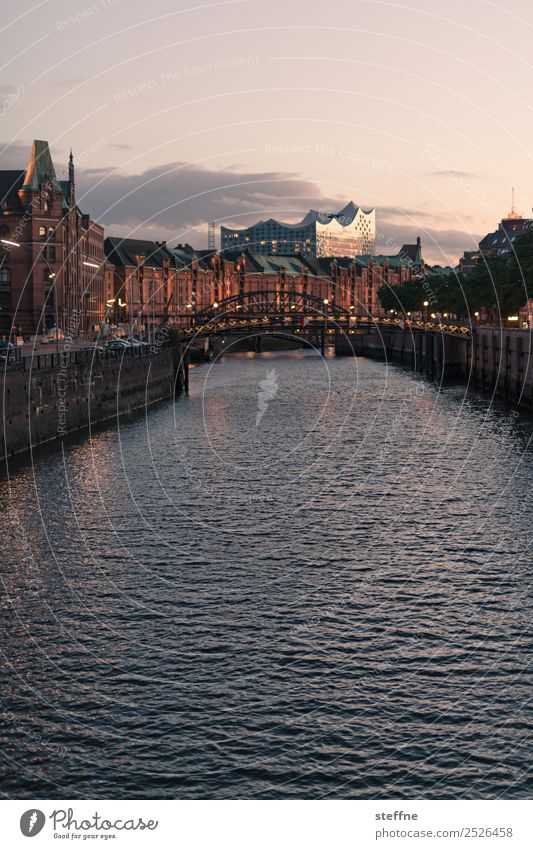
{"x": 350, "y": 232}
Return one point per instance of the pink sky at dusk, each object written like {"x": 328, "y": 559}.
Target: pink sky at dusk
{"x": 234, "y": 111}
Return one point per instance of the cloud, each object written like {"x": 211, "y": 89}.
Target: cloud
{"x": 451, "y": 173}
{"x": 178, "y": 198}
{"x": 442, "y": 246}
{"x": 15, "y": 156}
{"x": 175, "y": 202}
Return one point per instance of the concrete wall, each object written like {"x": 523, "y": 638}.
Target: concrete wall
{"x": 38, "y": 405}
{"x": 496, "y": 359}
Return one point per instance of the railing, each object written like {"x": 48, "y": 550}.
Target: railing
{"x": 63, "y": 359}
{"x": 329, "y": 321}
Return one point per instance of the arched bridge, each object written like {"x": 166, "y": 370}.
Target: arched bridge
{"x": 295, "y": 312}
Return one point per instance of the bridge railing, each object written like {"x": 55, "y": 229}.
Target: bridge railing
{"x": 328, "y": 323}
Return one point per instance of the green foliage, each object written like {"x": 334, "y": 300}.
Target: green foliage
{"x": 174, "y": 336}
{"x": 497, "y": 284}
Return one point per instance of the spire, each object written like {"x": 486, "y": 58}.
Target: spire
{"x": 513, "y": 213}
{"x": 71, "y": 182}
{"x": 40, "y": 166}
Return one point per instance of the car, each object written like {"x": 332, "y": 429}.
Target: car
{"x": 117, "y": 345}
{"x": 136, "y": 343}
{"x": 92, "y": 349}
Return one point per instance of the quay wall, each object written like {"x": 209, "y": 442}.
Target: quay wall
{"x": 39, "y": 404}
{"x": 498, "y": 360}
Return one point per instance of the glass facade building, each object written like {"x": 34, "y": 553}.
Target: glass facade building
{"x": 350, "y": 232}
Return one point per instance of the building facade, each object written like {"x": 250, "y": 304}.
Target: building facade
{"x": 350, "y": 232}
{"x": 51, "y": 254}
{"x": 498, "y": 243}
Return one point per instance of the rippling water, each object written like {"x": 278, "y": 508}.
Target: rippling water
{"x": 331, "y": 602}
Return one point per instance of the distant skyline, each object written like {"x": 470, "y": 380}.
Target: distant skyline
{"x": 240, "y": 110}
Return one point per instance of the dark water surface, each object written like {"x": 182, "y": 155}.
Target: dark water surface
{"x": 332, "y": 602}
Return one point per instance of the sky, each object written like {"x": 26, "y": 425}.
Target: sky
{"x": 189, "y": 112}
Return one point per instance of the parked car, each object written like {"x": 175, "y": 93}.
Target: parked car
{"x": 7, "y": 352}
{"x": 91, "y": 349}
{"x": 117, "y": 345}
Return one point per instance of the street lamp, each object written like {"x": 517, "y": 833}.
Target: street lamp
{"x": 426, "y": 305}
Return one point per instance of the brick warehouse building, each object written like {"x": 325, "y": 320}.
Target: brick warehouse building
{"x": 148, "y": 283}
{"x": 54, "y": 271}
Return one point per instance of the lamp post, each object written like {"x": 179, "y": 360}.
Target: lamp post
{"x": 426, "y": 305}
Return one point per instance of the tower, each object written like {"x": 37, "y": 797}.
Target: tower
{"x": 71, "y": 182}
{"x": 211, "y": 244}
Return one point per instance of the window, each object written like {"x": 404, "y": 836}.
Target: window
{"x": 5, "y": 276}
{"x": 52, "y": 254}
{"x": 42, "y": 233}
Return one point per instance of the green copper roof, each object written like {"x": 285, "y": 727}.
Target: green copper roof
{"x": 380, "y": 259}
{"x": 40, "y": 166}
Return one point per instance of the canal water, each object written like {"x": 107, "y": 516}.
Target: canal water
{"x": 310, "y": 579}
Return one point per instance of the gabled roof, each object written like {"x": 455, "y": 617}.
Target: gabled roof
{"x": 394, "y": 261}
{"x": 40, "y": 166}
{"x": 122, "y": 252}
{"x": 185, "y": 255}
{"x": 412, "y": 252}
{"x": 274, "y": 263}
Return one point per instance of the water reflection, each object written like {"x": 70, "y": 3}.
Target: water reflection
{"x": 332, "y": 602}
